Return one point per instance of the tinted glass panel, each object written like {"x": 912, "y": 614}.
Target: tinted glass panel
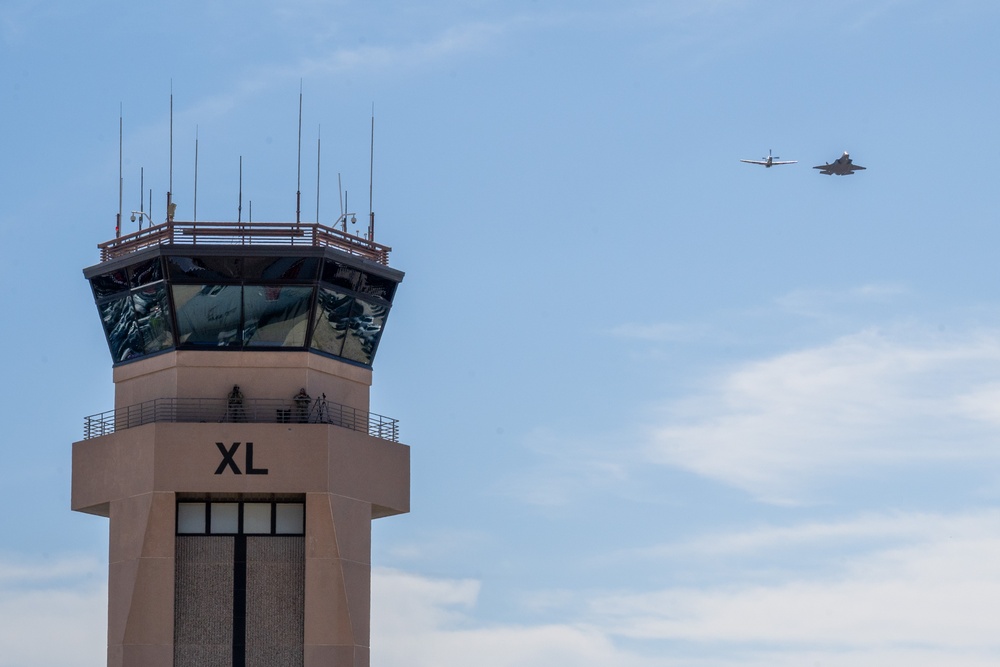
{"x": 118, "y": 318}
{"x": 364, "y": 328}
{"x": 339, "y": 275}
{"x": 333, "y": 311}
{"x": 204, "y": 269}
{"x": 276, "y": 316}
{"x": 378, "y": 286}
{"x": 280, "y": 268}
{"x": 146, "y": 272}
{"x": 290, "y": 518}
{"x": 109, "y": 283}
{"x": 257, "y": 518}
{"x": 152, "y": 313}
{"x": 190, "y": 517}
{"x": 208, "y": 315}
{"x": 225, "y": 517}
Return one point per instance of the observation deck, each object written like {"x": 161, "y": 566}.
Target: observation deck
{"x": 249, "y": 411}
{"x": 256, "y": 286}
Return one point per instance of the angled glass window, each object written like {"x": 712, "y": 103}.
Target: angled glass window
{"x": 364, "y": 328}
{"x": 340, "y": 275}
{"x": 146, "y": 272}
{"x": 276, "y": 315}
{"x": 109, "y": 283}
{"x": 205, "y": 269}
{"x": 378, "y": 286}
{"x": 120, "y": 328}
{"x": 333, "y": 312}
{"x": 208, "y": 315}
{"x": 152, "y": 316}
{"x": 281, "y": 269}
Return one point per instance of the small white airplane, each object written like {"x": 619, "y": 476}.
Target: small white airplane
{"x": 842, "y": 166}
{"x": 769, "y": 161}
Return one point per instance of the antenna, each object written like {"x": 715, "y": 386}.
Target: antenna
{"x": 142, "y": 211}
{"x": 195, "y": 215}
{"x": 121, "y": 182}
{"x": 298, "y": 182}
{"x": 142, "y": 190}
{"x": 341, "y": 189}
{"x": 319, "y": 132}
{"x": 170, "y": 181}
{"x": 239, "y": 208}
{"x": 371, "y": 178}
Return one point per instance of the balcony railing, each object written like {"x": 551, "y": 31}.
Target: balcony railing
{"x": 244, "y": 233}
{"x": 257, "y": 411}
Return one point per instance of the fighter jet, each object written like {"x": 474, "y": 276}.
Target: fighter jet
{"x": 842, "y": 166}
{"x": 769, "y": 161}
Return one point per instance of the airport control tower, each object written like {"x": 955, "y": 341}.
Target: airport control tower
{"x": 241, "y": 465}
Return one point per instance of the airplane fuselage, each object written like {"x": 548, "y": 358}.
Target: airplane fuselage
{"x": 842, "y": 166}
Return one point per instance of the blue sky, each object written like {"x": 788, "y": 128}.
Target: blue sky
{"x": 665, "y": 408}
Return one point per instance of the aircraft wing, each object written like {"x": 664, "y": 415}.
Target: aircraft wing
{"x": 855, "y": 167}
{"x": 784, "y": 162}
{"x": 756, "y": 162}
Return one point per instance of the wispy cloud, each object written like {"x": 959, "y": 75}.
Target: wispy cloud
{"x": 53, "y": 615}
{"x": 422, "y": 622}
{"x": 939, "y": 593}
{"x": 450, "y": 43}
{"x": 875, "y": 398}
{"x": 920, "y": 589}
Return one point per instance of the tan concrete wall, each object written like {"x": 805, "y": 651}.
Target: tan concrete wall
{"x": 338, "y": 581}
{"x": 133, "y": 477}
{"x": 141, "y": 581}
{"x": 184, "y": 458}
{"x": 209, "y": 374}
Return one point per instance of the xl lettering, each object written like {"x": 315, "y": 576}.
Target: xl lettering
{"x": 229, "y": 460}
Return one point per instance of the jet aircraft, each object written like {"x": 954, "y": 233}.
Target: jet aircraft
{"x": 842, "y": 166}
{"x": 769, "y": 161}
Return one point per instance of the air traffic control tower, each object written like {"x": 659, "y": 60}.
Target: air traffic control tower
{"x": 241, "y": 466}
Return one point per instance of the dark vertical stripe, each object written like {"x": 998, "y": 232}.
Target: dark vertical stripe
{"x": 240, "y": 602}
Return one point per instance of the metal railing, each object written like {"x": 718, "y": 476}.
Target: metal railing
{"x": 257, "y": 411}
{"x": 244, "y": 233}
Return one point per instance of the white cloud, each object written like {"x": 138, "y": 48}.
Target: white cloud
{"x": 421, "y": 622}
{"x": 927, "y": 593}
{"x": 900, "y": 528}
{"x": 922, "y": 589}
{"x": 51, "y": 616}
{"x": 932, "y": 598}
{"x": 773, "y": 427}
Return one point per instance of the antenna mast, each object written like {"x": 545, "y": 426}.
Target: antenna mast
{"x": 118, "y": 220}
{"x": 171, "y": 206}
{"x": 142, "y": 192}
{"x": 239, "y": 208}
{"x": 195, "y": 215}
{"x": 319, "y": 132}
{"x": 298, "y": 182}
{"x": 371, "y": 175}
